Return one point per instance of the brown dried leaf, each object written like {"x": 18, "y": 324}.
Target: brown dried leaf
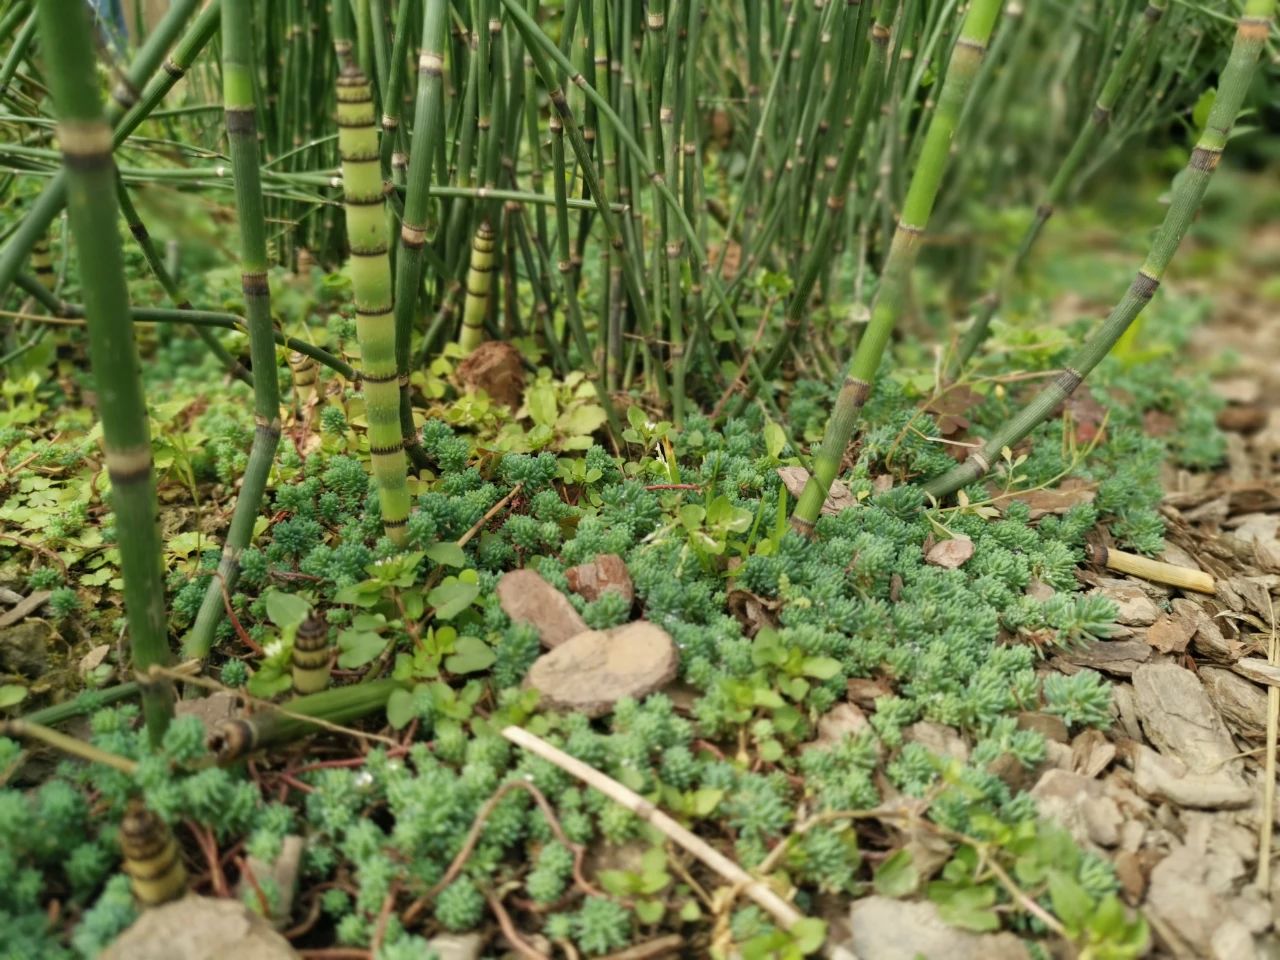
{"x": 950, "y": 554}
{"x": 1171, "y": 634}
{"x": 839, "y": 497}
{"x": 950, "y": 406}
{"x": 1059, "y": 499}
{"x": 752, "y": 611}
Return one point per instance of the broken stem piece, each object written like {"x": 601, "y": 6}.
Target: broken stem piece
{"x": 787, "y": 915}
{"x": 1182, "y": 577}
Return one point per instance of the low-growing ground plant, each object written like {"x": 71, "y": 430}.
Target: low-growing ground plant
{"x": 499, "y": 284}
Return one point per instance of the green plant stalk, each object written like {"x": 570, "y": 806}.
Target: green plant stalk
{"x": 966, "y": 59}
{"x": 299, "y": 717}
{"x": 85, "y": 139}
{"x": 393, "y": 166}
{"x": 54, "y": 195}
{"x": 833, "y": 213}
{"x": 140, "y": 233}
{"x": 1186, "y": 194}
{"x": 370, "y": 269}
{"x": 241, "y": 117}
{"x": 479, "y": 284}
{"x": 1139, "y": 39}
{"x": 428, "y": 129}
{"x": 196, "y": 318}
{"x": 91, "y": 701}
{"x": 18, "y": 52}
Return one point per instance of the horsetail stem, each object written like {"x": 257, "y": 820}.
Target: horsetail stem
{"x": 85, "y": 139}
{"x": 1187, "y": 192}
{"x": 239, "y": 102}
{"x": 370, "y": 270}
{"x": 428, "y": 127}
{"x": 1086, "y": 139}
{"x": 479, "y": 281}
{"x": 966, "y": 58}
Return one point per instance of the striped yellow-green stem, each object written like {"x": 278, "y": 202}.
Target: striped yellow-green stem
{"x": 85, "y": 138}
{"x": 305, "y": 371}
{"x": 370, "y": 269}
{"x": 1085, "y": 142}
{"x": 42, "y": 263}
{"x": 479, "y": 281}
{"x": 311, "y": 656}
{"x": 966, "y": 59}
{"x": 1185, "y": 195}
{"x": 242, "y": 135}
{"x": 151, "y": 857}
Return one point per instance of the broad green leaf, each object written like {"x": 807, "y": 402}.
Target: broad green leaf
{"x": 650, "y": 911}
{"x": 359, "y": 647}
{"x": 400, "y": 709}
{"x": 11, "y": 694}
{"x": 821, "y": 668}
{"x": 471, "y": 654}
{"x": 897, "y": 876}
{"x": 268, "y": 682}
{"x": 447, "y": 553}
{"x": 774, "y": 439}
{"x": 810, "y": 934}
{"x": 1070, "y": 901}
{"x": 542, "y": 404}
{"x": 620, "y": 883}
{"x": 286, "y": 609}
{"x": 581, "y": 420}
{"x": 452, "y": 597}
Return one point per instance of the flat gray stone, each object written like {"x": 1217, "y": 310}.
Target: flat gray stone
{"x": 885, "y": 929}
{"x": 595, "y": 669}
{"x": 1167, "y": 778}
{"x": 1179, "y": 719}
{"x": 456, "y": 946}
{"x": 1241, "y": 704}
{"x": 527, "y": 598}
{"x": 200, "y": 928}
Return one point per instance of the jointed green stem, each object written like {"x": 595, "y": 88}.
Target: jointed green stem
{"x": 241, "y": 112}
{"x": 1187, "y": 192}
{"x": 1088, "y": 137}
{"x": 91, "y": 200}
{"x": 966, "y": 58}
{"x": 370, "y": 269}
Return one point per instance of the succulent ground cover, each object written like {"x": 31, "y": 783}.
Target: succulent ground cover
{"x": 894, "y": 695}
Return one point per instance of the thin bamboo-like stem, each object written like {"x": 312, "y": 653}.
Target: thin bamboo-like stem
{"x": 85, "y": 138}
{"x": 428, "y": 129}
{"x": 370, "y": 270}
{"x": 241, "y": 113}
{"x": 1185, "y": 196}
{"x": 1140, "y": 38}
{"x": 119, "y": 115}
{"x": 140, "y": 233}
{"x": 966, "y": 58}
{"x": 832, "y": 214}
{"x": 479, "y": 282}
{"x": 17, "y": 52}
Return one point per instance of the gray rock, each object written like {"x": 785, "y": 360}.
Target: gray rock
{"x": 885, "y": 929}
{"x": 457, "y": 946}
{"x": 527, "y": 598}
{"x": 1180, "y": 720}
{"x": 1134, "y": 607}
{"x": 594, "y": 670}
{"x": 1242, "y": 705}
{"x": 940, "y": 740}
{"x": 24, "y": 648}
{"x": 200, "y": 928}
{"x": 1117, "y": 657}
{"x": 607, "y": 572}
{"x": 283, "y": 871}
{"x": 1081, "y": 805}
{"x": 1167, "y": 778}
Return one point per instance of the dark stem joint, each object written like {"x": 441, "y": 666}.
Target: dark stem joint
{"x": 1144, "y": 286}
{"x": 241, "y": 120}
{"x": 1067, "y": 380}
{"x": 1204, "y": 159}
